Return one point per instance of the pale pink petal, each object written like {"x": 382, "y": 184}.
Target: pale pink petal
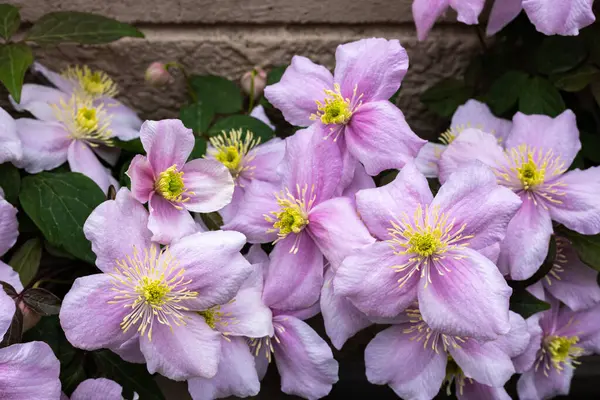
{"x": 7, "y": 305}
{"x": 265, "y": 160}
{"x": 98, "y": 389}
{"x": 472, "y": 390}
{"x": 379, "y": 137}
{"x": 9, "y": 225}
{"x": 10, "y": 276}
{"x": 107, "y": 153}
{"x": 38, "y": 100}
{"x": 211, "y": 185}
{"x": 360, "y": 180}
{"x": 167, "y": 143}
{"x": 502, "y": 13}
{"x": 468, "y": 10}
{"x": 122, "y": 117}
{"x": 256, "y": 255}
{"x": 301, "y": 86}
{"x": 566, "y": 17}
{"x": 474, "y": 114}
{"x": 83, "y": 160}
{"x": 10, "y": 144}
{"x": 425, "y": 13}
{"x": 259, "y": 113}
{"x": 228, "y": 212}
{"x": 44, "y": 144}
{"x": 167, "y": 222}
{"x": 526, "y": 359}
{"x": 516, "y": 341}
{"x": 142, "y": 178}
{"x": 484, "y": 362}
{"x": 538, "y": 383}
{"x": 428, "y": 158}
{"x": 63, "y": 84}
{"x": 130, "y": 351}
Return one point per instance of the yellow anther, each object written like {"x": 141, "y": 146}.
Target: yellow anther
{"x": 89, "y": 83}
{"x": 171, "y": 186}
{"x": 84, "y": 121}
{"x": 336, "y": 109}
{"x": 562, "y": 350}
{"x": 233, "y": 151}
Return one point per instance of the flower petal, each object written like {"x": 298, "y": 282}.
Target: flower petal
{"x": 107, "y": 153}
{"x": 525, "y": 246}
{"x": 265, "y": 159}
{"x": 368, "y": 279}
{"x": 469, "y": 299}
{"x": 183, "y": 352}
{"x": 372, "y": 68}
{"x": 579, "y": 208}
{"x": 564, "y": 18}
{"x": 360, "y": 180}
{"x": 379, "y": 137}
{"x": 516, "y": 341}
{"x": 294, "y": 280}
{"x": 301, "y": 86}
{"x": 478, "y": 206}
{"x": 63, "y": 84}
{"x": 10, "y": 276}
{"x": 559, "y": 135}
{"x": 211, "y": 184}
{"x": 213, "y": 263}
{"x": 342, "y": 320}
{"x": 304, "y": 360}
{"x": 484, "y": 362}
{"x": 502, "y": 13}
{"x": 337, "y": 230}
{"x": 538, "y": 383}
{"x": 583, "y": 324}
{"x": 468, "y": 10}
{"x": 10, "y": 144}
{"x": 167, "y": 222}
{"x": 236, "y": 375}
{"x": 259, "y": 113}
{"x": 122, "y": 116}
{"x": 130, "y": 351}
{"x": 7, "y": 305}
{"x": 82, "y": 159}
{"x": 88, "y": 318}
{"x": 29, "y": 371}
{"x": 98, "y": 389}
{"x": 428, "y": 158}
{"x": 38, "y": 100}
{"x": 526, "y": 359}
{"x": 474, "y": 114}
{"x": 9, "y": 228}
{"x": 414, "y": 371}
{"x": 142, "y": 178}
{"x": 425, "y": 13}
{"x": 167, "y": 143}
{"x": 472, "y": 390}
{"x": 44, "y": 144}
{"x": 115, "y": 228}
{"x": 378, "y": 207}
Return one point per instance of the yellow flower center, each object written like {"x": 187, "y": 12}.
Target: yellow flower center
{"x": 449, "y": 136}
{"x": 87, "y": 119}
{"x": 336, "y": 109}
{"x": 212, "y": 316}
{"x": 171, "y": 186}
{"x": 232, "y": 150}
{"x": 530, "y": 174}
{"x": 562, "y": 350}
{"x": 84, "y": 121}
{"x": 426, "y": 243}
{"x": 91, "y": 84}
{"x": 153, "y": 290}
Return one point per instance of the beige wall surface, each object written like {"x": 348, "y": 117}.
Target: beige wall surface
{"x": 229, "y": 37}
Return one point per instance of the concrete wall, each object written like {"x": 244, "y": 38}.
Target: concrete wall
{"x": 228, "y": 37}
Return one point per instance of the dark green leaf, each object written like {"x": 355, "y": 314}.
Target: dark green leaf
{"x": 275, "y": 74}
{"x": 8, "y": 289}
{"x": 504, "y": 92}
{"x": 197, "y": 116}
{"x": 199, "y": 149}
{"x": 26, "y": 260}
{"x": 48, "y": 330}
{"x": 124, "y": 179}
{"x": 133, "y": 377}
{"x": 446, "y": 96}
{"x": 559, "y": 54}
{"x": 57, "y": 251}
{"x": 59, "y": 204}
{"x": 14, "y": 334}
{"x": 72, "y": 375}
{"x": 387, "y": 177}
{"x": 15, "y": 58}
{"x": 245, "y": 123}
{"x": 525, "y": 304}
{"x": 539, "y": 96}
{"x": 595, "y": 88}
{"x": 221, "y": 93}
{"x": 587, "y": 247}
{"x": 213, "y": 220}
{"x": 394, "y": 98}
{"x": 10, "y": 182}
{"x": 79, "y": 27}
{"x": 133, "y": 146}
{"x": 41, "y": 301}
{"x": 578, "y": 79}
{"x": 9, "y": 20}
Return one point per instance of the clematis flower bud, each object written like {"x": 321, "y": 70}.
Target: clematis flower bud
{"x": 260, "y": 81}
{"x": 157, "y": 74}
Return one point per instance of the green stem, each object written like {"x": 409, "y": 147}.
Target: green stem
{"x": 251, "y": 102}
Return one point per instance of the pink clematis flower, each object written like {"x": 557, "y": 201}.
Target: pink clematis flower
{"x": 172, "y": 186}
{"x": 295, "y": 216}
{"x": 436, "y": 250}
{"x": 551, "y": 17}
{"x": 351, "y": 107}
{"x": 472, "y": 114}
{"x": 415, "y": 360}
{"x": 426, "y": 12}
{"x": 534, "y": 165}
{"x": 558, "y": 337}
{"x": 98, "y": 389}
{"x": 10, "y": 144}
{"x": 153, "y": 300}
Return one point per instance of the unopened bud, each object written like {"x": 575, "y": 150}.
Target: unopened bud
{"x": 30, "y": 317}
{"x": 260, "y": 81}
{"x": 157, "y": 74}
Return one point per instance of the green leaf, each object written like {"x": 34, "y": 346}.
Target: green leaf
{"x": 26, "y": 260}
{"x": 199, "y": 149}
{"x": 15, "y": 58}
{"x": 59, "y": 204}
{"x": 245, "y": 123}
{"x": 275, "y": 74}
{"x": 578, "y": 79}
{"x": 9, "y": 20}
{"x": 559, "y": 54}
{"x": 525, "y": 304}
{"x": 79, "y": 27}
{"x": 221, "y": 93}
{"x": 590, "y": 143}
{"x": 197, "y": 116}
{"x": 48, "y": 330}
{"x": 394, "y": 98}
{"x": 133, "y": 377}
{"x": 41, "y": 301}
{"x": 505, "y": 91}
{"x": 213, "y": 220}
{"x": 539, "y": 96}
{"x": 72, "y": 375}
{"x": 10, "y": 182}
{"x": 587, "y": 247}
{"x": 595, "y": 88}
{"x": 133, "y": 146}
{"x": 446, "y": 96}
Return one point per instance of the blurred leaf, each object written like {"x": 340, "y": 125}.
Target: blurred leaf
{"x": 79, "y": 27}
{"x": 41, "y": 301}
{"x": 559, "y": 54}
{"x": 124, "y": 179}
{"x": 10, "y": 182}
{"x": 539, "y": 96}
{"x": 394, "y": 98}
{"x": 446, "y": 96}
{"x": 578, "y": 79}
{"x": 595, "y": 88}
{"x": 213, "y": 220}
{"x": 8, "y": 289}
{"x": 48, "y": 330}
{"x": 59, "y": 204}
{"x": 275, "y": 74}
{"x": 133, "y": 377}
{"x": 26, "y": 260}
{"x": 15, "y": 58}
{"x": 133, "y": 146}
{"x": 72, "y": 375}
{"x": 525, "y": 304}
{"x": 388, "y": 177}
{"x": 587, "y": 247}
{"x": 14, "y": 334}
{"x": 9, "y": 20}
{"x": 197, "y": 116}
{"x": 244, "y": 122}
{"x": 57, "y": 251}
{"x": 590, "y": 146}
{"x": 505, "y": 91}
{"x": 199, "y": 149}
{"x": 474, "y": 72}
{"x": 224, "y": 95}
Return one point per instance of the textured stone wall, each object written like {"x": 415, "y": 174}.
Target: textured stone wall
{"x": 228, "y": 37}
